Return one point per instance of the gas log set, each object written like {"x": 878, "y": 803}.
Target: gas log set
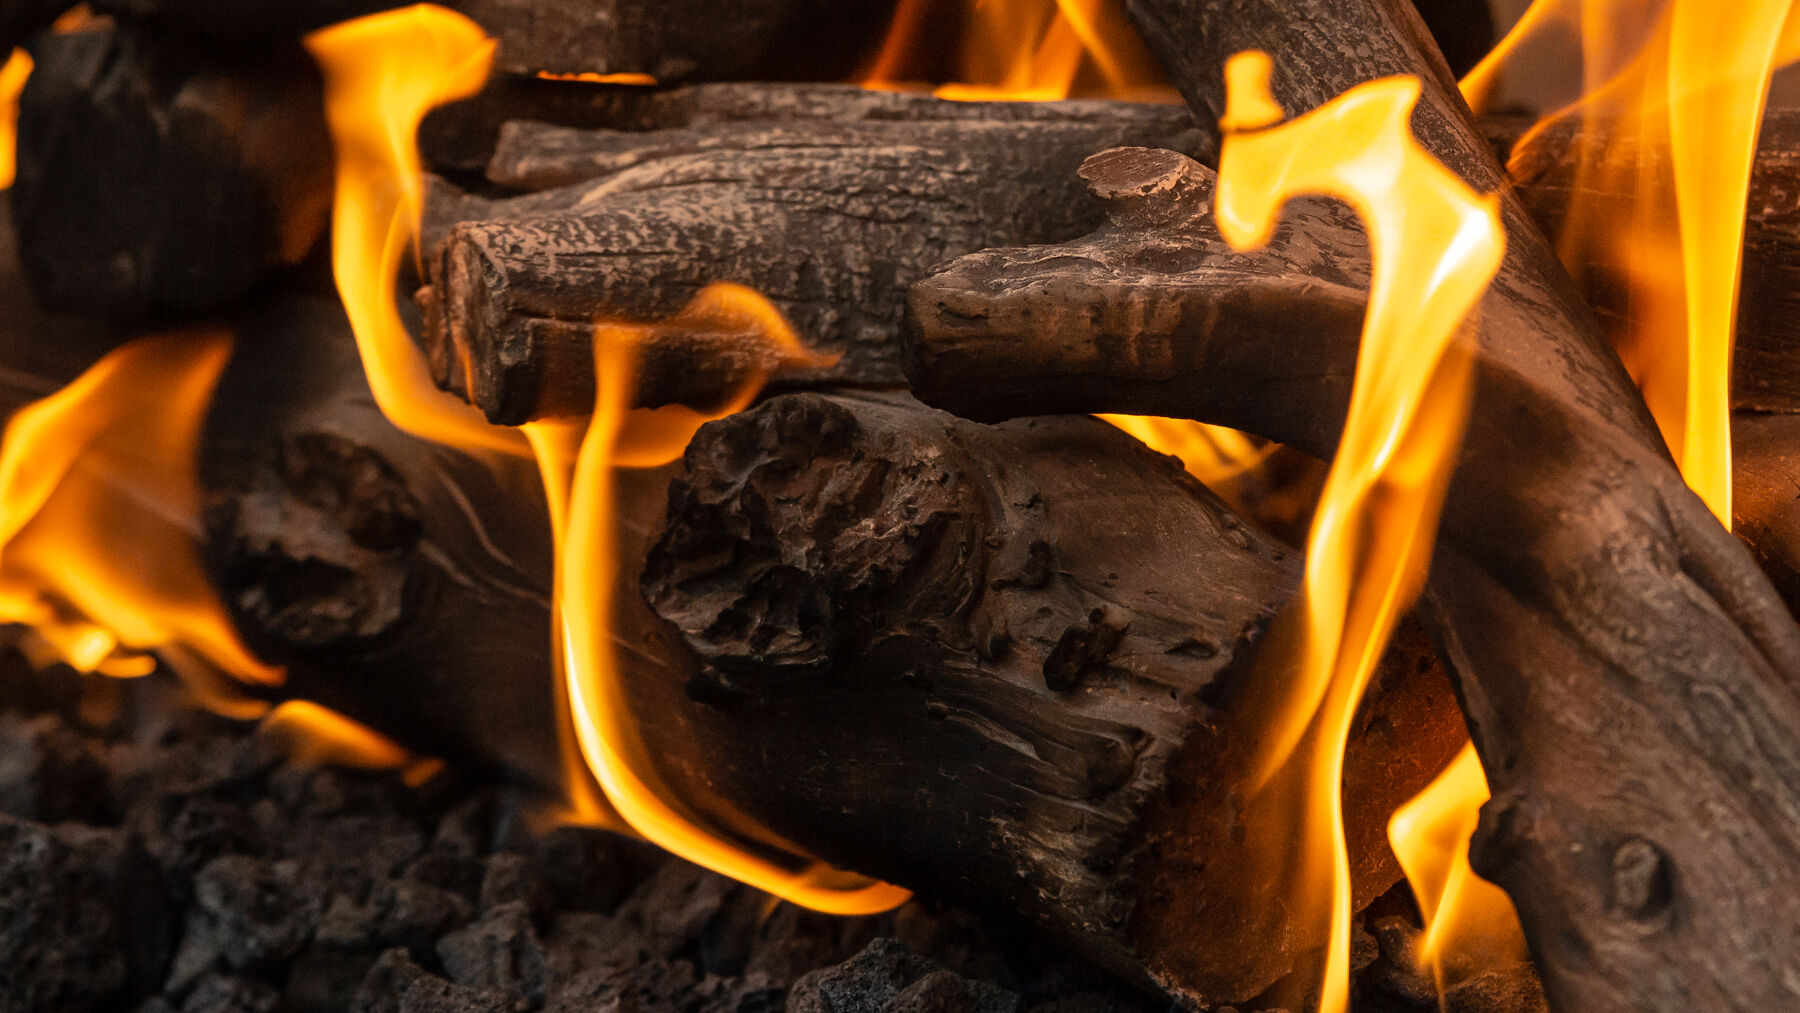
{"x": 597, "y": 504}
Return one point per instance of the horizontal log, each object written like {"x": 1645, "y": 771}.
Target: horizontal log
{"x": 1766, "y": 367}
{"x": 1040, "y": 624}
{"x": 157, "y": 177}
{"x": 829, "y": 221}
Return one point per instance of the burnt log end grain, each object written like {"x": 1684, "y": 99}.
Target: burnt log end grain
{"x": 986, "y": 662}
{"x": 829, "y": 221}
{"x": 155, "y": 176}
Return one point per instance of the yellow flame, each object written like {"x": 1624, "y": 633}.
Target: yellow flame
{"x": 314, "y": 735}
{"x": 1435, "y": 244}
{"x": 590, "y": 77}
{"x": 99, "y": 510}
{"x": 1024, "y": 51}
{"x": 12, "y": 85}
{"x": 1673, "y": 94}
{"x": 587, "y": 564}
{"x": 1468, "y": 920}
{"x": 383, "y": 73}
{"x": 1215, "y": 455}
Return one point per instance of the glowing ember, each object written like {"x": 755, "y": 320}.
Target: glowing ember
{"x": 587, "y": 568}
{"x": 1435, "y": 245}
{"x": 1024, "y": 51}
{"x": 589, "y": 77}
{"x": 99, "y": 509}
{"x": 1468, "y": 920}
{"x": 383, "y": 73}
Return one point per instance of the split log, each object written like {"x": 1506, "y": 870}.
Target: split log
{"x": 154, "y": 176}
{"x": 829, "y": 221}
{"x": 1602, "y": 627}
{"x": 975, "y": 659}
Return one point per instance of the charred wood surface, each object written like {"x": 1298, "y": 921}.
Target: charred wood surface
{"x": 829, "y": 221}
{"x": 154, "y": 176}
{"x": 1765, "y": 496}
{"x": 1602, "y": 627}
{"x": 974, "y": 658}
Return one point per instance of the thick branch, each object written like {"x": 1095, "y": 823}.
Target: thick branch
{"x": 1603, "y": 628}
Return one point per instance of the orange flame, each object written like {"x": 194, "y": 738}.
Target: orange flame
{"x": 1024, "y": 51}
{"x": 314, "y": 735}
{"x": 12, "y": 85}
{"x": 383, "y": 73}
{"x": 1435, "y": 245}
{"x": 1660, "y": 192}
{"x": 1215, "y": 455}
{"x": 1468, "y": 920}
{"x": 590, "y": 77}
{"x": 99, "y": 505}
{"x": 621, "y": 437}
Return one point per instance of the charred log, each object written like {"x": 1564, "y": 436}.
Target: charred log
{"x": 937, "y": 637}
{"x": 154, "y": 176}
{"x": 829, "y": 221}
{"x": 1602, "y": 627}
{"x": 1765, "y": 496}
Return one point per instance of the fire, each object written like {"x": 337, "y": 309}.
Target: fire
{"x": 1435, "y": 246}
{"x": 312, "y": 735}
{"x": 99, "y": 509}
{"x": 383, "y": 73}
{"x": 1668, "y": 142}
{"x": 12, "y": 85}
{"x": 619, "y": 436}
{"x": 590, "y": 77}
{"x": 1023, "y": 51}
{"x": 1468, "y": 920}
{"x": 1215, "y": 455}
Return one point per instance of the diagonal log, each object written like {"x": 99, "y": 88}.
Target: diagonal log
{"x": 1631, "y": 680}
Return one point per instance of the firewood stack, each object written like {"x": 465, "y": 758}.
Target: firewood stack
{"x": 913, "y": 612}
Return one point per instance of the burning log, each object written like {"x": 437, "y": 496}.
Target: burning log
{"x": 997, "y": 692}
{"x": 514, "y": 295}
{"x": 1602, "y": 627}
{"x": 1765, "y": 369}
{"x": 969, "y": 673}
{"x": 156, "y": 176}
{"x": 1765, "y": 499}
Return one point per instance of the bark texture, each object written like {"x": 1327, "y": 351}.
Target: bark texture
{"x": 828, "y": 221}
{"x": 976, "y": 659}
{"x": 1603, "y": 629}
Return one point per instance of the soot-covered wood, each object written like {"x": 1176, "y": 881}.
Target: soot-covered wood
{"x": 1602, "y": 627}
{"x": 976, "y": 659}
{"x": 828, "y": 220}
{"x": 155, "y": 175}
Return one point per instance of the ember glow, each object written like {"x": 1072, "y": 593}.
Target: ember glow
{"x": 99, "y": 512}
{"x": 1435, "y": 245}
{"x": 1022, "y": 51}
{"x": 383, "y": 73}
{"x": 620, "y": 436}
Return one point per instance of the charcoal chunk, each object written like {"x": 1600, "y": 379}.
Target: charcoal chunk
{"x": 886, "y": 977}
{"x": 500, "y": 953}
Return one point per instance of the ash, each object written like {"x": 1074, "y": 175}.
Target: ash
{"x": 155, "y": 858}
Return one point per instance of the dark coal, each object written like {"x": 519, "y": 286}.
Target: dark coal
{"x": 157, "y": 859}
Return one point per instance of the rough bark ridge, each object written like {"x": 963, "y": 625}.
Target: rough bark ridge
{"x": 830, "y": 221}
{"x": 875, "y": 587}
{"x": 1604, "y": 630}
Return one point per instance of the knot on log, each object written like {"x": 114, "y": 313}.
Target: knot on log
{"x": 1641, "y": 880}
{"x": 789, "y": 533}
{"x": 321, "y": 536}
{"x": 1148, "y": 187}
